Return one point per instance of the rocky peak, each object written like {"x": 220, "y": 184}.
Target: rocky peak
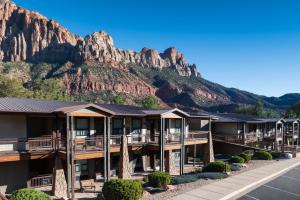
{"x": 28, "y": 36}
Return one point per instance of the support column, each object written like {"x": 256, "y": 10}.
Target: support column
{"x": 59, "y": 186}
{"x": 108, "y": 148}
{"x": 170, "y": 164}
{"x": 105, "y": 148}
{"x": 182, "y": 149}
{"x": 68, "y": 157}
{"x": 72, "y": 159}
{"x": 275, "y": 143}
{"x": 162, "y": 144}
{"x": 209, "y": 149}
{"x": 293, "y": 134}
{"x": 244, "y": 135}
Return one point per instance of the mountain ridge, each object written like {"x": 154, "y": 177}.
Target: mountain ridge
{"x": 34, "y": 48}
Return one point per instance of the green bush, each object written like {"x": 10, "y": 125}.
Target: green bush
{"x": 247, "y": 157}
{"x": 217, "y": 166}
{"x": 159, "y": 179}
{"x": 237, "y": 159}
{"x": 263, "y": 155}
{"x": 276, "y": 154}
{"x": 121, "y": 189}
{"x": 29, "y": 194}
{"x": 187, "y": 178}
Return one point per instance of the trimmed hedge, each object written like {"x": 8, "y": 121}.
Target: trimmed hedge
{"x": 276, "y": 154}
{"x": 29, "y": 194}
{"x": 122, "y": 189}
{"x": 159, "y": 179}
{"x": 237, "y": 159}
{"x": 263, "y": 155}
{"x": 217, "y": 166}
{"x": 247, "y": 157}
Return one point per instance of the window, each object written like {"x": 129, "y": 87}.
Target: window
{"x": 81, "y": 166}
{"x": 136, "y": 126}
{"x": 117, "y": 127}
{"x": 82, "y": 127}
{"x": 177, "y": 125}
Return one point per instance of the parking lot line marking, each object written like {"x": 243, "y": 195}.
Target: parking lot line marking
{"x": 251, "y": 197}
{"x": 292, "y": 178}
{"x": 281, "y": 190}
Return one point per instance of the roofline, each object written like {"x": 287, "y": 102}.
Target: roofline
{"x": 70, "y": 109}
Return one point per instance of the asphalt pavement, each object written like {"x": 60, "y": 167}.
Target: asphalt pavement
{"x": 285, "y": 187}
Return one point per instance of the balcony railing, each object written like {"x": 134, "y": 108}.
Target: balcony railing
{"x": 196, "y": 135}
{"x": 40, "y": 181}
{"x": 44, "y": 143}
{"x": 115, "y": 140}
{"x": 89, "y": 143}
{"x": 249, "y": 137}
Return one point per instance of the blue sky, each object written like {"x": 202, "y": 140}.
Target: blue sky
{"x": 252, "y": 45}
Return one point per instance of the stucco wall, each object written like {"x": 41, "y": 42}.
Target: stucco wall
{"x": 13, "y": 175}
{"x": 13, "y": 126}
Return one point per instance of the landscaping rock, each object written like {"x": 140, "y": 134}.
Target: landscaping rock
{"x": 170, "y": 187}
{"x": 145, "y": 195}
{"x": 237, "y": 166}
{"x": 288, "y": 155}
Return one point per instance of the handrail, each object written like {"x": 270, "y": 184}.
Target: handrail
{"x": 40, "y": 181}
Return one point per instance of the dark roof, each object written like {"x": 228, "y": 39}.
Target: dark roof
{"x": 232, "y": 117}
{"x": 8, "y": 104}
{"x": 21, "y": 105}
{"x": 123, "y": 109}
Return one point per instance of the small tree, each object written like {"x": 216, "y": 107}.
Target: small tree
{"x": 119, "y": 99}
{"x": 150, "y": 102}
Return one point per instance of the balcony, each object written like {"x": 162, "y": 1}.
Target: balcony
{"x": 23, "y": 145}
{"x": 231, "y": 138}
{"x": 196, "y": 135}
{"x": 92, "y": 143}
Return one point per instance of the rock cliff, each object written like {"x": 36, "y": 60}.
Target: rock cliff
{"x": 28, "y": 36}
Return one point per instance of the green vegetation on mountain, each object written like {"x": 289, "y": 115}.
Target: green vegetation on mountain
{"x": 258, "y": 110}
{"x": 293, "y": 111}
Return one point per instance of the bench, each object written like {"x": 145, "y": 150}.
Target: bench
{"x": 90, "y": 184}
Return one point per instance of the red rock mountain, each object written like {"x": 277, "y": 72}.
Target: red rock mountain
{"x": 30, "y": 37}
{"x": 34, "y": 48}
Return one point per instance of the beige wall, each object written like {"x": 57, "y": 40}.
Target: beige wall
{"x": 13, "y": 126}
{"x": 13, "y": 175}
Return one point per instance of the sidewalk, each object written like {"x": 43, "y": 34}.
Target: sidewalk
{"x": 235, "y": 186}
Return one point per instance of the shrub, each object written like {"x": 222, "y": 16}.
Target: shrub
{"x": 188, "y": 178}
{"x": 247, "y": 157}
{"x": 159, "y": 179}
{"x": 237, "y": 159}
{"x": 263, "y": 155}
{"x": 276, "y": 154}
{"x": 217, "y": 166}
{"x": 29, "y": 194}
{"x": 121, "y": 189}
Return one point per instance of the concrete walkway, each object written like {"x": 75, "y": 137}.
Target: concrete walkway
{"x": 235, "y": 186}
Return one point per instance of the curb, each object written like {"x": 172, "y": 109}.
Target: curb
{"x": 236, "y": 193}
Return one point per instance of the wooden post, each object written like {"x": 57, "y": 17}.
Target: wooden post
{"x": 293, "y": 134}
{"x": 275, "y": 143}
{"x": 182, "y": 149}
{"x": 162, "y": 145}
{"x": 72, "y": 159}
{"x": 283, "y": 136}
{"x": 68, "y": 156}
{"x": 105, "y": 148}
{"x": 244, "y": 136}
{"x": 108, "y": 148}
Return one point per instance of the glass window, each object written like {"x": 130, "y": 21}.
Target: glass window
{"x": 117, "y": 126}
{"x": 81, "y": 166}
{"x": 82, "y": 127}
{"x": 177, "y": 125}
{"x": 136, "y": 126}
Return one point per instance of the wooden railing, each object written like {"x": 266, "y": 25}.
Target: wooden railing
{"x": 173, "y": 138}
{"x": 40, "y": 181}
{"x": 115, "y": 140}
{"x": 40, "y": 143}
{"x": 44, "y": 143}
{"x": 196, "y": 135}
{"x": 89, "y": 143}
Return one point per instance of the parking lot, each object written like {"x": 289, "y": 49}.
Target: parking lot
{"x": 285, "y": 187}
